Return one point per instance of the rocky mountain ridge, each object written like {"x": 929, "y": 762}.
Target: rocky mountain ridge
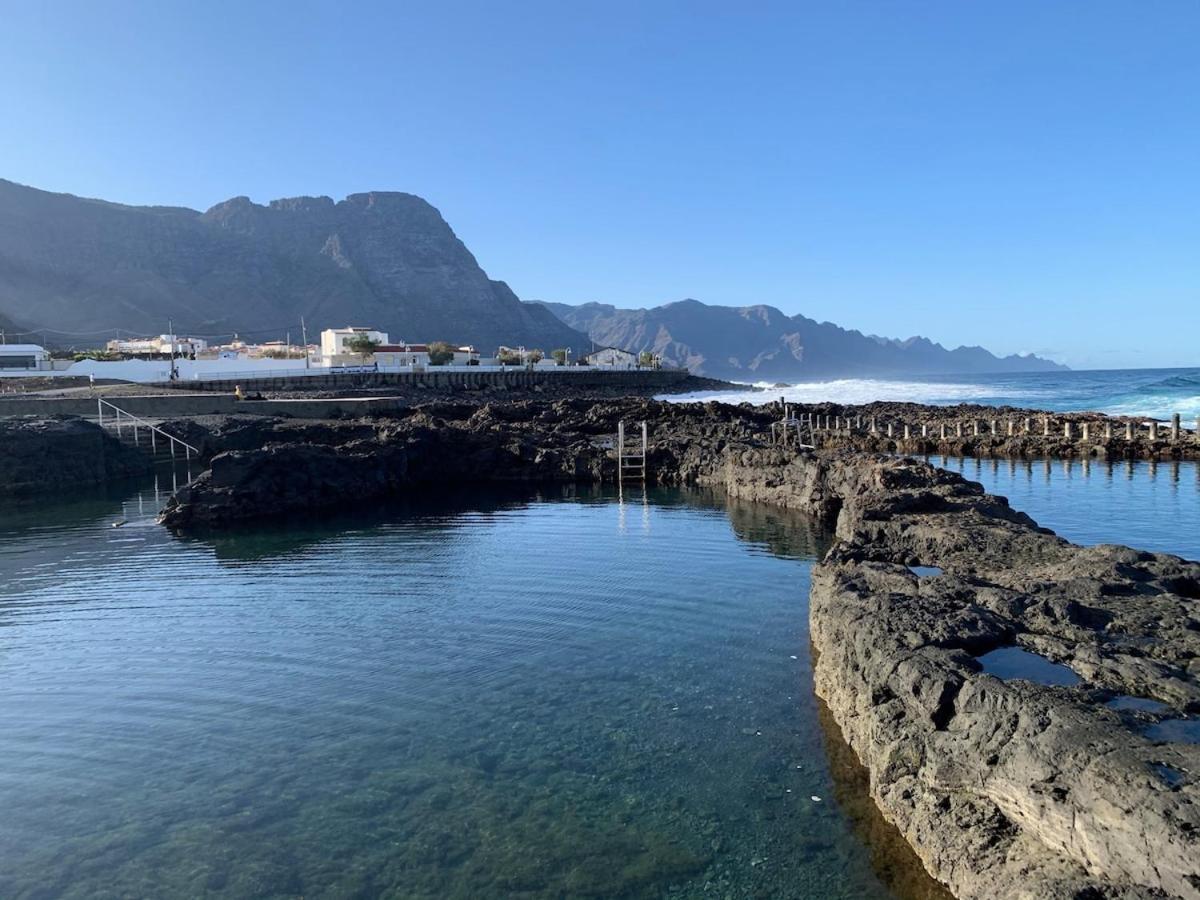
{"x": 761, "y": 343}
{"x": 382, "y": 259}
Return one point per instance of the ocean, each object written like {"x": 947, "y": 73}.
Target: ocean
{"x": 1153, "y": 393}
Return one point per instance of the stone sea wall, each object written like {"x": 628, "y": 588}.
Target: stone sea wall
{"x": 61, "y": 454}
{"x": 982, "y": 431}
{"x": 1005, "y": 788}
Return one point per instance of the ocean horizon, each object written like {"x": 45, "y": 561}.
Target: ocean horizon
{"x": 1153, "y": 393}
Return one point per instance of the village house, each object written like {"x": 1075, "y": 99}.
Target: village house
{"x": 24, "y": 357}
{"x": 418, "y": 355}
{"x": 334, "y": 344}
{"x": 163, "y": 345}
{"x": 611, "y": 357}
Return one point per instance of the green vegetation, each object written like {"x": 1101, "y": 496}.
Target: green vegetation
{"x": 440, "y": 353}
{"x": 363, "y": 345}
{"x": 560, "y": 356}
{"x": 647, "y": 359}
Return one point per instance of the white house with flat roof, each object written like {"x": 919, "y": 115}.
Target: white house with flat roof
{"x": 334, "y": 340}
{"x": 24, "y": 357}
{"x": 611, "y": 357}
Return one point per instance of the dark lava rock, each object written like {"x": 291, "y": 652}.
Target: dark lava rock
{"x": 59, "y": 454}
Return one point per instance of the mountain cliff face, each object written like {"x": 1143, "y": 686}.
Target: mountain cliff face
{"x": 760, "y": 343}
{"x": 381, "y": 259}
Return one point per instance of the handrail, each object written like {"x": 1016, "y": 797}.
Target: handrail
{"x": 188, "y": 449}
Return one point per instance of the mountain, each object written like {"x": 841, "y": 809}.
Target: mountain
{"x": 760, "y": 343}
{"x": 380, "y": 259}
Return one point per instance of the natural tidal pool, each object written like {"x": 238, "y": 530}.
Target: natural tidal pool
{"x": 1146, "y": 505}
{"x": 567, "y": 695}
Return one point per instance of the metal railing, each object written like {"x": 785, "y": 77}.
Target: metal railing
{"x": 121, "y": 418}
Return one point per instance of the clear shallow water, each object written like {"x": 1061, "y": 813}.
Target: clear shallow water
{"x": 1013, "y": 662}
{"x": 1134, "y": 392}
{"x": 1147, "y": 505}
{"x": 484, "y": 697}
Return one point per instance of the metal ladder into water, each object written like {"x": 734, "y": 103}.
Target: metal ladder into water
{"x": 631, "y": 461}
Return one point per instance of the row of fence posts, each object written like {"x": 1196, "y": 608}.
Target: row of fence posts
{"x": 1083, "y": 431}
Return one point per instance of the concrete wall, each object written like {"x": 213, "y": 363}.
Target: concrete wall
{"x": 473, "y": 378}
{"x": 160, "y": 407}
{"x": 220, "y": 400}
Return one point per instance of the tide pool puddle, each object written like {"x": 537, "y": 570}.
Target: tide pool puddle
{"x": 1175, "y": 731}
{"x": 1137, "y": 704}
{"x": 1008, "y": 663}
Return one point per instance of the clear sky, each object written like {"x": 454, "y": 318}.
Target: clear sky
{"x": 1022, "y": 175}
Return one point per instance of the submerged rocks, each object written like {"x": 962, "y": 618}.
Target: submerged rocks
{"x": 59, "y": 454}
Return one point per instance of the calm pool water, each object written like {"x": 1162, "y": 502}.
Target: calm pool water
{"x": 548, "y": 696}
{"x": 480, "y": 696}
{"x": 1147, "y": 505}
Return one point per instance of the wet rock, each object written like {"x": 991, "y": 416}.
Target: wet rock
{"x": 59, "y": 454}
{"x": 1008, "y": 787}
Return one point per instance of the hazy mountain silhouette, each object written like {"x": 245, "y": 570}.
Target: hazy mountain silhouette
{"x": 761, "y": 343}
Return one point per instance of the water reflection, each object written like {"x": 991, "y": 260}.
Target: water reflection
{"x": 471, "y": 693}
{"x": 1149, "y": 505}
{"x": 891, "y": 855}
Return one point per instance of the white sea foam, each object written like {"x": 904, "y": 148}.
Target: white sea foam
{"x": 848, "y": 391}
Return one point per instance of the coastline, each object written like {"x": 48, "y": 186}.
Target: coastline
{"x": 1043, "y": 788}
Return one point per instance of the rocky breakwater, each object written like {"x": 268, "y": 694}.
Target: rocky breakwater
{"x": 266, "y": 467}
{"x": 1026, "y": 710}
{"x": 983, "y": 431}
{"x": 59, "y": 454}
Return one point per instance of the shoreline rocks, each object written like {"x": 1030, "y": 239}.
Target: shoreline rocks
{"x": 38, "y": 454}
{"x": 1009, "y": 787}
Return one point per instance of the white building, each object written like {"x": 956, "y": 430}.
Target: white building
{"x": 161, "y": 345}
{"x": 24, "y": 357}
{"x": 334, "y": 340}
{"x": 418, "y": 355}
{"x": 612, "y": 357}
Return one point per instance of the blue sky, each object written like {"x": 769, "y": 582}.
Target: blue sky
{"x": 1022, "y": 175}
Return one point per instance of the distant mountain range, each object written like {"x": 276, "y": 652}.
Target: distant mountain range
{"x": 760, "y": 343}
{"x": 386, "y": 260}
{"x": 81, "y": 269}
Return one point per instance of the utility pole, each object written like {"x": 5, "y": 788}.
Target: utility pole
{"x": 171, "y": 335}
{"x": 304, "y": 337}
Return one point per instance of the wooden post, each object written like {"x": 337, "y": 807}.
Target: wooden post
{"x": 1045, "y": 426}
{"x": 858, "y": 422}
{"x": 907, "y": 432}
{"x": 1085, "y": 431}
{"x": 1129, "y": 431}
{"x": 646, "y": 443}
{"x": 1028, "y": 425}
{"x": 1154, "y": 429}
{"x": 1012, "y": 427}
{"x": 943, "y": 431}
{"x": 924, "y": 430}
{"x": 958, "y": 429}
{"x": 1107, "y": 430}
{"x": 976, "y": 427}
{"x": 891, "y": 430}
{"x": 1067, "y": 431}
{"x": 620, "y": 451}
{"x": 1175, "y": 427}
{"x": 874, "y": 430}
